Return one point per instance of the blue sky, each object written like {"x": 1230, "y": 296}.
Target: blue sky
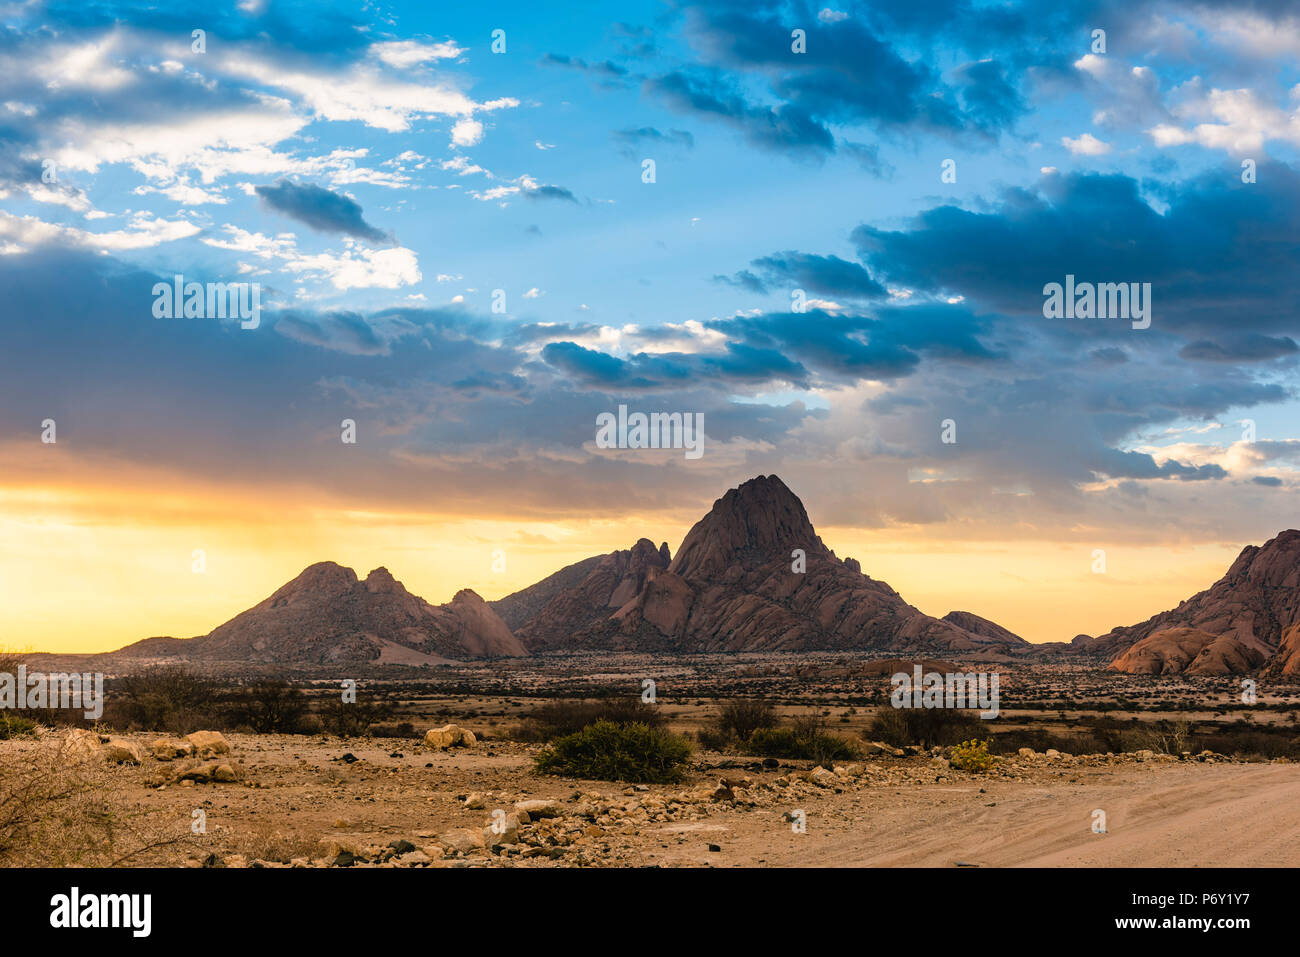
{"x": 380, "y": 171}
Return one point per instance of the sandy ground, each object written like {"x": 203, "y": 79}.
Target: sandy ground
{"x": 297, "y": 800}
{"x": 1179, "y": 815}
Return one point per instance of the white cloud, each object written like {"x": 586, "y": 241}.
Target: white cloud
{"x": 145, "y": 230}
{"x": 361, "y": 268}
{"x": 1243, "y": 121}
{"x": 362, "y": 93}
{"x": 257, "y": 244}
{"x": 183, "y": 193}
{"x": 467, "y": 132}
{"x": 1085, "y": 145}
{"x": 827, "y": 15}
{"x": 408, "y": 53}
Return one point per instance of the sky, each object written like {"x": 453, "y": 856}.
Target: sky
{"x": 474, "y": 228}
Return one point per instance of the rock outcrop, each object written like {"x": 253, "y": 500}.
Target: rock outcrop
{"x": 1246, "y": 621}
{"x": 982, "y": 626}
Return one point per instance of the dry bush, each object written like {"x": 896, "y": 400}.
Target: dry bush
{"x": 267, "y": 842}
{"x": 57, "y": 811}
{"x": 170, "y": 698}
{"x": 557, "y": 719}
{"x": 739, "y": 718}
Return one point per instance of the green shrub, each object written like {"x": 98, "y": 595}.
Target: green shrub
{"x": 560, "y": 718}
{"x": 607, "y": 751}
{"x": 972, "y": 756}
{"x": 805, "y": 740}
{"x": 14, "y": 725}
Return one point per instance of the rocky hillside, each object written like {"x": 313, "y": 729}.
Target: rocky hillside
{"x": 982, "y": 626}
{"x": 328, "y": 615}
{"x": 1249, "y": 619}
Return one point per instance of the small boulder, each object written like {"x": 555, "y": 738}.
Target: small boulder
{"x": 462, "y": 840}
{"x": 79, "y": 743}
{"x": 449, "y": 736}
{"x": 823, "y": 778}
{"x": 502, "y": 831}
{"x": 538, "y": 809}
{"x": 208, "y": 742}
{"x": 121, "y": 751}
{"x": 169, "y": 749}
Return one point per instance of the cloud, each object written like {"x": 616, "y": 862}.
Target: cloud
{"x": 341, "y": 331}
{"x": 606, "y": 68}
{"x": 1085, "y": 145}
{"x": 1218, "y": 247}
{"x": 827, "y": 275}
{"x": 644, "y": 137}
{"x": 321, "y": 209}
{"x": 361, "y": 268}
{"x": 550, "y": 192}
{"x": 738, "y": 363}
{"x": 408, "y": 53}
{"x": 1250, "y": 347}
{"x": 467, "y": 132}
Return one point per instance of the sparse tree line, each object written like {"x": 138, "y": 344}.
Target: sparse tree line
{"x": 177, "y": 700}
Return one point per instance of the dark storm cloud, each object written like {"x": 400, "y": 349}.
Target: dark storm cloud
{"x": 342, "y": 331}
{"x": 741, "y": 363}
{"x": 1221, "y": 248}
{"x": 824, "y": 275}
{"x": 321, "y": 209}
{"x": 607, "y": 68}
{"x": 551, "y": 192}
{"x": 848, "y": 348}
{"x": 630, "y": 140}
{"x": 1250, "y": 347}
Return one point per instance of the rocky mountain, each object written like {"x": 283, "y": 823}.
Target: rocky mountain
{"x": 982, "y": 626}
{"x": 522, "y": 606}
{"x": 327, "y": 615}
{"x": 1248, "y": 620}
{"x": 752, "y": 575}
{"x": 613, "y": 580}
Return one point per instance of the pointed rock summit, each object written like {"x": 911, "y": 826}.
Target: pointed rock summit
{"x": 734, "y": 585}
{"x": 759, "y": 522}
